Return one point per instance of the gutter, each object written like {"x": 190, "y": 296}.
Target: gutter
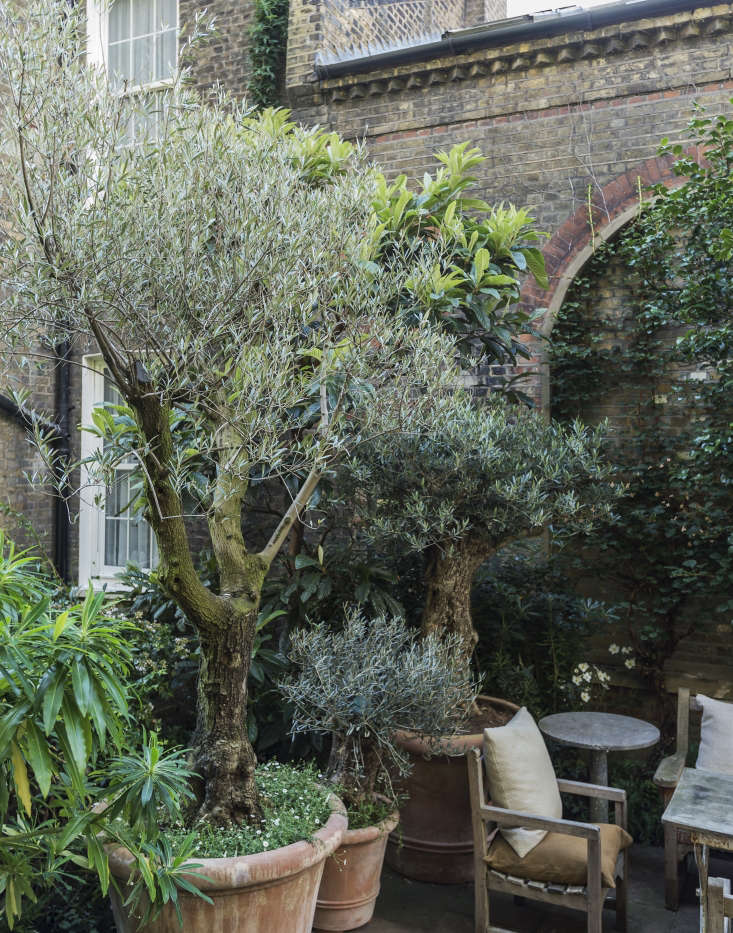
{"x": 510, "y": 31}
{"x": 62, "y": 523}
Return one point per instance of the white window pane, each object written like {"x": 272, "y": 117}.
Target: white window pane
{"x": 142, "y": 60}
{"x": 166, "y": 54}
{"x": 142, "y": 17}
{"x": 138, "y": 551}
{"x": 119, "y": 20}
{"x": 167, "y": 14}
{"x": 119, "y": 63}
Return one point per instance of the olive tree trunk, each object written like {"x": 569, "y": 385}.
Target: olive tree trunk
{"x": 223, "y": 757}
{"x": 448, "y": 577}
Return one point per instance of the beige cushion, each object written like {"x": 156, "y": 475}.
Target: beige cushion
{"x": 561, "y": 859}
{"x": 716, "y": 736}
{"x": 520, "y": 776}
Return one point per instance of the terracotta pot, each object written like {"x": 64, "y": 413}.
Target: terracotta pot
{"x": 350, "y": 883}
{"x": 263, "y": 893}
{"x": 435, "y": 840}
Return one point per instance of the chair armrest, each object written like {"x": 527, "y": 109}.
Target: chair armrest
{"x": 669, "y": 771}
{"x": 581, "y": 789}
{"x": 515, "y": 818}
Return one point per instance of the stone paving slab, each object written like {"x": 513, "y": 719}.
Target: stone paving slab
{"x": 406, "y": 905}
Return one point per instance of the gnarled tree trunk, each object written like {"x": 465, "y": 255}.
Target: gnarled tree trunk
{"x": 448, "y": 579}
{"x": 222, "y": 754}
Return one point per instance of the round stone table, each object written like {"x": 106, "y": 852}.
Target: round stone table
{"x": 601, "y": 733}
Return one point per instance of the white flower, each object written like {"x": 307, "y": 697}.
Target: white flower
{"x": 587, "y": 676}
{"x": 630, "y": 662}
{"x": 583, "y": 666}
{"x": 265, "y": 843}
{"x": 613, "y": 649}
{"x": 627, "y": 649}
{"x": 576, "y": 680}
{"x": 585, "y": 696}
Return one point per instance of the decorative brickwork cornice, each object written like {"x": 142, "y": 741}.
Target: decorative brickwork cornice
{"x": 636, "y": 37}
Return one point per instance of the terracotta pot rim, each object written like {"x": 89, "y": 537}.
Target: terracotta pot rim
{"x": 451, "y": 745}
{"x": 262, "y": 868}
{"x": 355, "y": 837}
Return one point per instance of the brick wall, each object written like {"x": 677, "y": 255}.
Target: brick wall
{"x": 224, "y": 57}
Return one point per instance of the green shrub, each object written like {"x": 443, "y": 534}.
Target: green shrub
{"x": 66, "y": 745}
{"x": 533, "y": 630}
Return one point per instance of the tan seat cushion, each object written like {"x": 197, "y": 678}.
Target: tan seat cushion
{"x": 520, "y": 777}
{"x": 561, "y": 859}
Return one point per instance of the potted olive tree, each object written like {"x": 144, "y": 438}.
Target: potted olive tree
{"x": 474, "y": 479}
{"x": 361, "y": 685}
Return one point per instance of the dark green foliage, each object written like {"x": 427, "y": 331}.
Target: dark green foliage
{"x": 67, "y": 743}
{"x": 533, "y": 632}
{"x": 669, "y": 553}
{"x": 268, "y": 38}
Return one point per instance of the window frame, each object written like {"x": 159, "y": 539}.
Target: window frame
{"x": 92, "y": 566}
{"x": 98, "y": 45}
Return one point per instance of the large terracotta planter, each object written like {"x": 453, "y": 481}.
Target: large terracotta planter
{"x": 435, "y": 840}
{"x": 271, "y": 892}
{"x": 350, "y": 883}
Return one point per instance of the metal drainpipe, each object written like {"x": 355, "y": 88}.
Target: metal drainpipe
{"x": 62, "y": 522}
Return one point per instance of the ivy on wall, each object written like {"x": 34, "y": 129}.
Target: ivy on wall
{"x": 665, "y": 361}
{"x": 267, "y": 51}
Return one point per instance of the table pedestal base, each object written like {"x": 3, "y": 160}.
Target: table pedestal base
{"x": 599, "y": 775}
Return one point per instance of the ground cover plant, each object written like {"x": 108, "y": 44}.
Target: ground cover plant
{"x": 667, "y": 559}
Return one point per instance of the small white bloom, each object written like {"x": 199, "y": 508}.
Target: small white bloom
{"x": 576, "y": 680}
{"x": 627, "y": 649}
{"x": 630, "y": 662}
{"x": 613, "y": 649}
{"x": 583, "y": 666}
{"x": 585, "y": 696}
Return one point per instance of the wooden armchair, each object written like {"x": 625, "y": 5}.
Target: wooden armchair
{"x": 588, "y": 898}
{"x": 676, "y": 843}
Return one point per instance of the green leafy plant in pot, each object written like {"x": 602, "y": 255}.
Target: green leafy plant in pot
{"x": 362, "y": 685}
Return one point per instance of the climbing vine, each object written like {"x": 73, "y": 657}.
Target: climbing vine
{"x": 268, "y": 36}
{"x": 662, "y": 364}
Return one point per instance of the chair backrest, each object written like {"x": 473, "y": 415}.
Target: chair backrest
{"x": 686, "y": 704}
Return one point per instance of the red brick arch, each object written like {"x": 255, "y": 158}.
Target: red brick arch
{"x": 572, "y": 244}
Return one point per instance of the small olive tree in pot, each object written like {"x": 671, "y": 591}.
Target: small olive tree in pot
{"x": 362, "y": 685}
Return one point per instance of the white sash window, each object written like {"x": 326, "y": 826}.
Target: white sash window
{"x": 111, "y": 533}
{"x": 135, "y": 40}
